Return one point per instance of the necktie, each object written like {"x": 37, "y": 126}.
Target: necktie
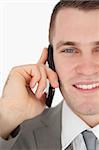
{"x": 90, "y": 140}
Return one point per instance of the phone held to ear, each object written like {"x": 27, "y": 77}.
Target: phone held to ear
{"x": 51, "y": 90}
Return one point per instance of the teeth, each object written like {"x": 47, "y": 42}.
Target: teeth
{"x": 90, "y": 86}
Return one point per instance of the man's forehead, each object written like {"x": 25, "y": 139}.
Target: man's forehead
{"x": 76, "y": 24}
{"x": 75, "y": 13}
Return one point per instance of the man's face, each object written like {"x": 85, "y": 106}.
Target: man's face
{"x": 76, "y": 58}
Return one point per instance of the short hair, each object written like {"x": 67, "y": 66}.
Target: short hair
{"x": 85, "y": 5}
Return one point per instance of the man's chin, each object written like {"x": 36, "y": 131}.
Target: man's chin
{"x": 87, "y": 110}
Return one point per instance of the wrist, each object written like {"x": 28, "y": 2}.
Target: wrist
{"x": 6, "y": 124}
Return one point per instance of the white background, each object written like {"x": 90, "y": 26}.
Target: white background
{"x": 23, "y": 34}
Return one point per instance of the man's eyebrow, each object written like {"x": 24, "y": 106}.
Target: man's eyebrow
{"x": 65, "y": 43}
{"x": 70, "y": 43}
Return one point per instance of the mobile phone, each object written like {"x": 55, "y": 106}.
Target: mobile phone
{"x": 51, "y": 90}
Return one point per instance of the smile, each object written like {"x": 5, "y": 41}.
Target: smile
{"x": 87, "y": 87}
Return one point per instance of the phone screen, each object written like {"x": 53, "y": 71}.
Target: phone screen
{"x": 51, "y": 90}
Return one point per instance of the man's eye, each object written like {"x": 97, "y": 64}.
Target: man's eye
{"x": 70, "y": 50}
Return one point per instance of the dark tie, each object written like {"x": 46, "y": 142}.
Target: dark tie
{"x": 90, "y": 140}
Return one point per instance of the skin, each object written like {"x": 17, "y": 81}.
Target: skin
{"x": 82, "y": 64}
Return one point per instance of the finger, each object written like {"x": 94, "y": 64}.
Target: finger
{"x": 42, "y": 83}
{"x": 26, "y": 72}
{"x": 36, "y": 76}
{"x": 53, "y": 77}
{"x": 43, "y": 57}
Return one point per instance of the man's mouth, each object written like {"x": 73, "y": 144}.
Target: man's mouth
{"x": 87, "y": 86}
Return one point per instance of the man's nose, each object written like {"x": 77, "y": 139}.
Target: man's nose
{"x": 87, "y": 67}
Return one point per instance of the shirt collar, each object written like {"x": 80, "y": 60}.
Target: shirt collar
{"x": 72, "y": 125}
{"x": 95, "y": 130}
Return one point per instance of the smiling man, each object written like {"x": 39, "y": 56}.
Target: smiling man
{"x": 76, "y": 44}
{"x": 74, "y": 123}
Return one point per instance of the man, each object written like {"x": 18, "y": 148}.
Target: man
{"x": 25, "y": 123}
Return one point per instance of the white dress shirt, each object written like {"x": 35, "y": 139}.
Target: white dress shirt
{"x": 72, "y": 126}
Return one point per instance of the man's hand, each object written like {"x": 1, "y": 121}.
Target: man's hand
{"x": 18, "y": 102}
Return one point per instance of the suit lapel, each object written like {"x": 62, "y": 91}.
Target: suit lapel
{"x": 48, "y": 136}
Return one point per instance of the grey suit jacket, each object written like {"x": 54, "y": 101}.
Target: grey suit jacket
{"x": 40, "y": 133}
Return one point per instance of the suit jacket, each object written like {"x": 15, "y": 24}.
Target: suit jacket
{"x": 40, "y": 133}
